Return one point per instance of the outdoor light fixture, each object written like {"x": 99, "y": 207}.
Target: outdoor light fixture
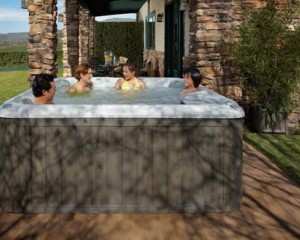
{"x": 60, "y": 17}
{"x": 159, "y": 17}
{"x": 183, "y": 5}
{"x": 24, "y": 4}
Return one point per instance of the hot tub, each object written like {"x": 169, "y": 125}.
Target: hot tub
{"x": 132, "y": 157}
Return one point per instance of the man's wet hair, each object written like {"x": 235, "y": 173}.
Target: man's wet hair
{"x": 41, "y": 82}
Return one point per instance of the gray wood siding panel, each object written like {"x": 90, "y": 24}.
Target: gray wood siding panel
{"x": 54, "y": 166}
{"x": 129, "y": 165}
{"x": 233, "y": 165}
{"x": 100, "y": 165}
{"x": 68, "y": 148}
{"x": 175, "y": 166}
{"x": 114, "y": 166}
{"x": 145, "y": 167}
{"x": 190, "y": 167}
{"x": 24, "y": 166}
{"x": 84, "y": 166}
{"x": 203, "y": 142}
{"x": 10, "y": 165}
{"x": 216, "y": 149}
{"x": 160, "y": 166}
{"x": 202, "y": 163}
{"x": 39, "y": 156}
{"x": 210, "y": 167}
{"x": 140, "y": 166}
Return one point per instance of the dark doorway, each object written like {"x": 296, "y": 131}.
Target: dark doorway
{"x": 173, "y": 40}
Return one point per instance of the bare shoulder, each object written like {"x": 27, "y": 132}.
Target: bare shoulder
{"x": 118, "y": 83}
{"x": 142, "y": 83}
{"x": 71, "y": 89}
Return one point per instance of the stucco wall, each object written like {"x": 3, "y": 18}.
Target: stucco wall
{"x": 159, "y": 7}
{"x": 155, "y": 64}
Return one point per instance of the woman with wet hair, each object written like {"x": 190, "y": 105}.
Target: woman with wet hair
{"x": 191, "y": 78}
{"x": 83, "y": 75}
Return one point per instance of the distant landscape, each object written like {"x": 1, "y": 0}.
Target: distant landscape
{"x": 13, "y": 42}
{"x": 17, "y": 42}
{"x": 13, "y": 50}
{"x": 13, "y": 47}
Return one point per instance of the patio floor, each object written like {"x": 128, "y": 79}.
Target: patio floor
{"x": 270, "y": 210}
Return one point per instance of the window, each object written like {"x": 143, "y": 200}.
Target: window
{"x": 150, "y": 31}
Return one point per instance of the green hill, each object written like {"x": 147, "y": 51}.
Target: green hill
{"x": 13, "y": 42}
{"x": 17, "y": 42}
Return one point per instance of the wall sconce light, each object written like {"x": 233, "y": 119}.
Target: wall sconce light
{"x": 60, "y": 17}
{"x": 24, "y": 4}
{"x": 160, "y": 17}
{"x": 183, "y": 5}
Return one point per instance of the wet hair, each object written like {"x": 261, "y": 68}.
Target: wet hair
{"x": 132, "y": 67}
{"x": 195, "y": 75}
{"x": 40, "y": 83}
{"x": 82, "y": 68}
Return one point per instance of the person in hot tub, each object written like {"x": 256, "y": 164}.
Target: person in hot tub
{"x": 130, "y": 81}
{"x": 191, "y": 79}
{"x": 84, "y": 76}
{"x": 43, "y": 88}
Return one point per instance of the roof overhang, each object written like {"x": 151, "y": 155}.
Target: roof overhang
{"x": 111, "y": 7}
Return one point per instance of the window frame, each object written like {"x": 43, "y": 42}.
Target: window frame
{"x": 150, "y": 30}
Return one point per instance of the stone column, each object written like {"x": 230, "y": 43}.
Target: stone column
{"x": 42, "y": 39}
{"x": 70, "y": 37}
{"x": 212, "y": 23}
{"x": 91, "y": 36}
{"x": 86, "y": 35}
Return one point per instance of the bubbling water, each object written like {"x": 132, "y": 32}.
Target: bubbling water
{"x": 108, "y": 95}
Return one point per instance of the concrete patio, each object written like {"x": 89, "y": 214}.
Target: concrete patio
{"x": 270, "y": 210}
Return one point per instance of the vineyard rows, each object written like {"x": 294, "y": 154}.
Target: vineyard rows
{"x": 18, "y": 59}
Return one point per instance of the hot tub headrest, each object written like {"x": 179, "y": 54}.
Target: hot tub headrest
{"x": 205, "y": 96}
{"x": 176, "y": 84}
{"x": 27, "y": 100}
{"x": 62, "y": 83}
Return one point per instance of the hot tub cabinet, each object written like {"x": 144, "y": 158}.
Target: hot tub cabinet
{"x": 113, "y": 163}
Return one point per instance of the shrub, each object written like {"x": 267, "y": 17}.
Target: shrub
{"x": 267, "y": 58}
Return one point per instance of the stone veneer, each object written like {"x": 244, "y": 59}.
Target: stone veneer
{"x": 155, "y": 63}
{"x": 42, "y": 37}
{"x": 86, "y": 35}
{"x": 210, "y": 23}
{"x": 70, "y": 37}
{"x": 78, "y": 36}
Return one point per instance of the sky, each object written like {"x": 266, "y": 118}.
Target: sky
{"x": 15, "y": 19}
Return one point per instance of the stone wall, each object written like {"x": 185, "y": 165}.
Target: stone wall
{"x": 70, "y": 37}
{"x": 78, "y": 36}
{"x": 211, "y": 23}
{"x": 155, "y": 62}
{"x": 86, "y": 35}
{"x": 42, "y": 37}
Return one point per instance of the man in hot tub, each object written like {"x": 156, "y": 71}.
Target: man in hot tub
{"x": 43, "y": 88}
{"x": 191, "y": 79}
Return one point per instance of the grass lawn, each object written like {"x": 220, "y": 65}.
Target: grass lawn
{"x": 14, "y": 82}
{"x": 283, "y": 150}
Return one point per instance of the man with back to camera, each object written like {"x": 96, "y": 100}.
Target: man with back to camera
{"x": 43, "y": 88}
